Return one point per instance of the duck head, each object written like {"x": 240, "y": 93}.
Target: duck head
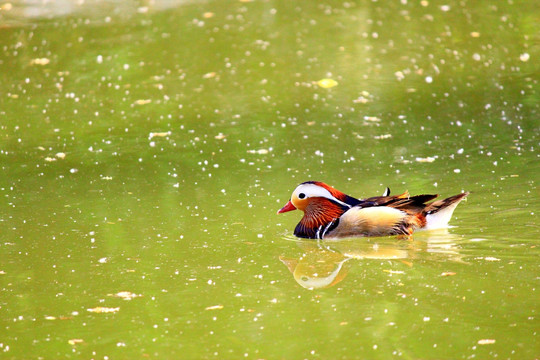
{"x": 322, "y": 206}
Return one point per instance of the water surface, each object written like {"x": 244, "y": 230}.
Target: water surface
{"x": 145, "y": 149}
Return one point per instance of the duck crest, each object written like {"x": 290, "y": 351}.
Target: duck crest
{"x": 320, "y": 215}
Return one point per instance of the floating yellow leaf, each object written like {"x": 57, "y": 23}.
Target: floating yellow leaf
{"x": 100, "y": 310}
{"x": 75, "y": 341}
{"x": 486, "y": 341}
{"x": 208, "y": 15}
{"x": 220, "y": 136}
{"x": 50, "y": 317}
{"x": 209, "y": 75}
{"x": 327, "y": 83}
{"x": 214, "y": 307}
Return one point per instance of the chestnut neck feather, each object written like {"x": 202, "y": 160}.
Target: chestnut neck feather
{"x": 319, "y": 212}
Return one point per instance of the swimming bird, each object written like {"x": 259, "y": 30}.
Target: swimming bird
{"x": 329, "y": 213}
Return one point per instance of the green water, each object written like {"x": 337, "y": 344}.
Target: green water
{"x": 145, "y": 150}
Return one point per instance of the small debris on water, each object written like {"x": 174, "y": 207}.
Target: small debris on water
{"x": 428, "y": 159}
{"x": 524, "y": 57}
{"x": 394, "y": 271}
{"x": 158, "y": 134}
{"x": 40, "y": 61}
{"x": 448, "y": 273}
{"x": 260, "y": 151}
{"x": 327, "y": 83}
{"x": 142, "y": 101}
{"x": 486, "y": 341}
{"x": 209, "y": 75}
{"x": 101, "y": 309}
{"x": 372, "y": 118}
{"x": 399, "y": 75}
{"x": 125, "y": 295}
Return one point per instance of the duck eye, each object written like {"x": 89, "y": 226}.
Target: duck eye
{"x": 301, "y": 195}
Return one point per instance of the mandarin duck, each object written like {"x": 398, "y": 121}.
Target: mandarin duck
{"x": 329, "y": 213}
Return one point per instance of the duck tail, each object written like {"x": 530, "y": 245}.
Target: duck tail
{"x": 438, "y": 213}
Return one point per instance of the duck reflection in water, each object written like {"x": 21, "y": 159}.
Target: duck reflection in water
{"x": 324, "y": 264}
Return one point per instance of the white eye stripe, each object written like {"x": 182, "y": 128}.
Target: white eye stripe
{"x": 312, "y": 190}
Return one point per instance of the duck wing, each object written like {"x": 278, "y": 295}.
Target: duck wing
{"x": 404, "y": 202}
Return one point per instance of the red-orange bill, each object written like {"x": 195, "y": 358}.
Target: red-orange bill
{"x": 288, "y": 207}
